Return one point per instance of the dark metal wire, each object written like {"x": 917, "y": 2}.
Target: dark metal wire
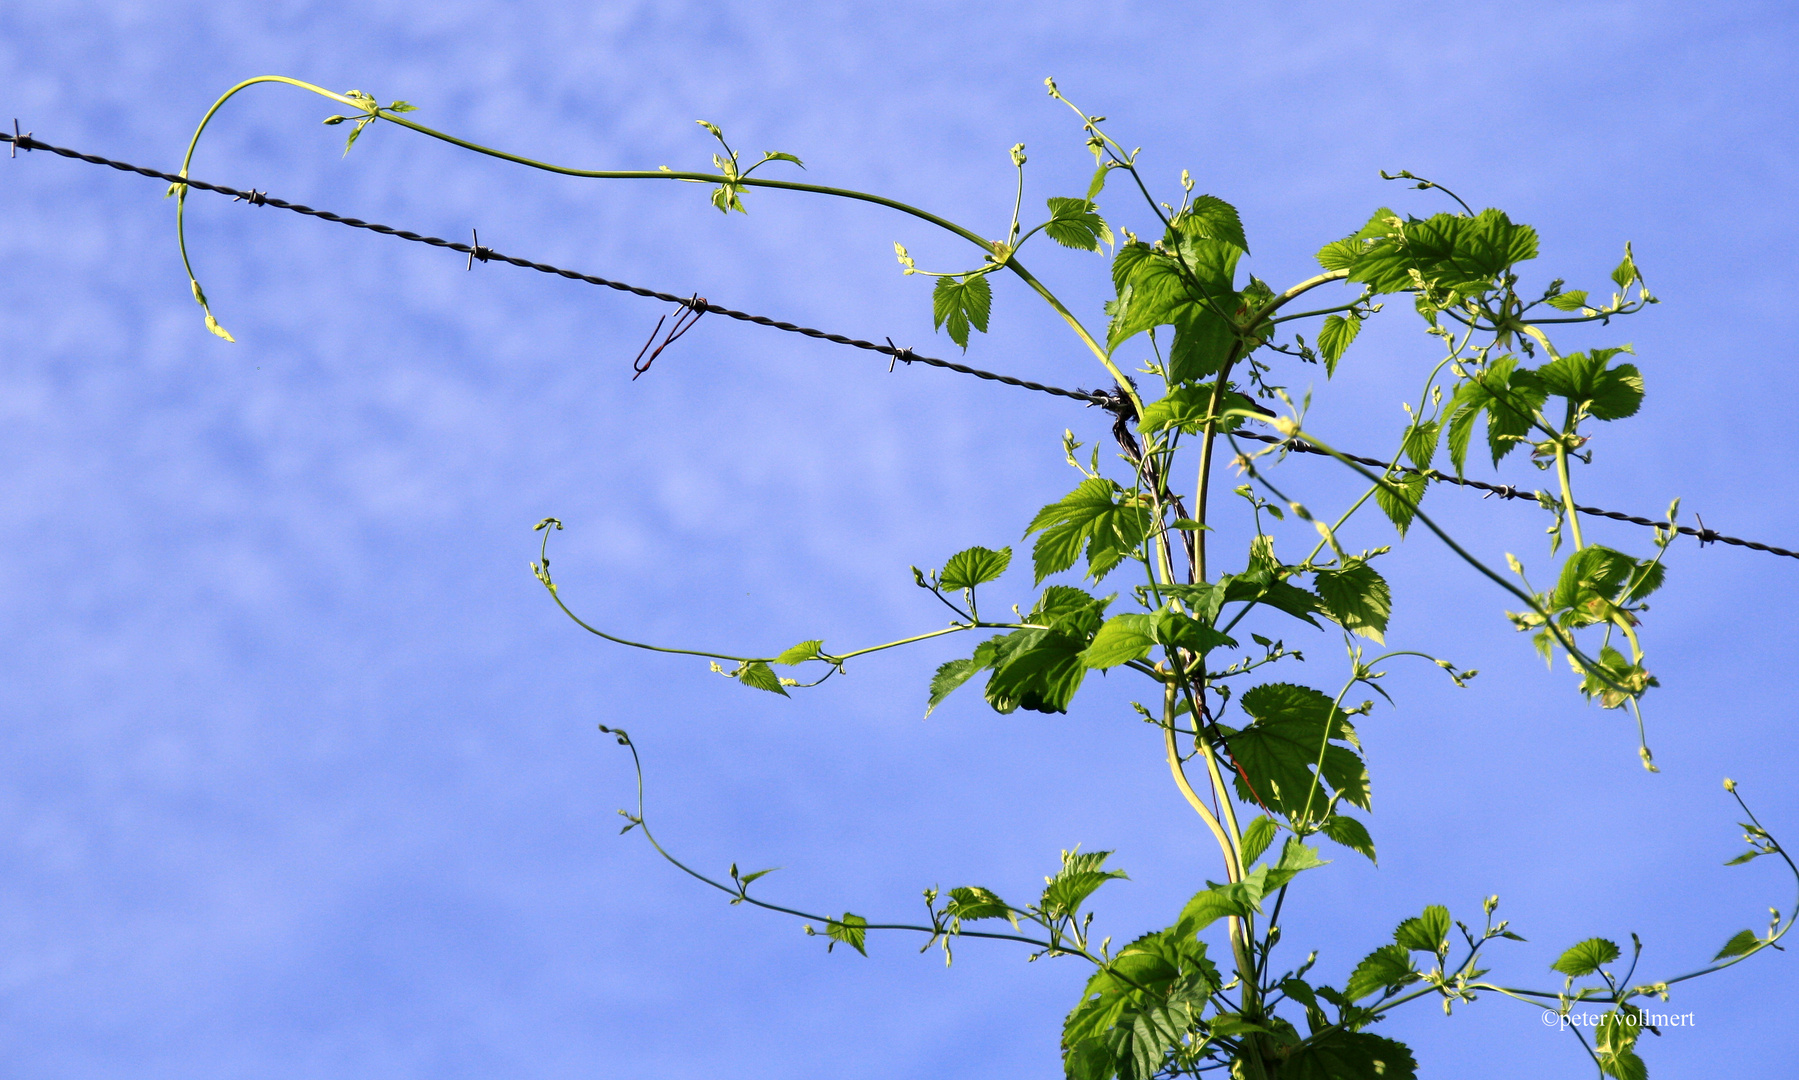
{"x": 1507, "y": 491}
{"x": 486, "y": 254}
{"x": 1115, "y": 402}
{"x": 685, "y": 319}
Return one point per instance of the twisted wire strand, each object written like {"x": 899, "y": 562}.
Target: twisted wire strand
{"x": 478, "y": 253}
{"x": 1507, "y": 491}
{"x": 1115, "y": 402}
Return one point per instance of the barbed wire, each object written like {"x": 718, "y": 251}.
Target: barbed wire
{"x": 1115, "y": 401}
{"x": 477, "y": 253}
{"x": 1508, "y": 491}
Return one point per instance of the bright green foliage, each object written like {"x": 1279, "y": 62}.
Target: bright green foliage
{"x": 1186, "y": 282}
{"x": 1263, "y": 584}
{"x": 1238, "y": 899}
{"x": 976, "y": 566}
{"x": 1586, "y": 958}
{"x": 1082, "y": 872}
{"x": 1420, "y": 442}
{"x": 1189, "y": 406}
{"x": 1386, "y": 968}
{"x": 1585, "y": 380}
{"x": 1257, "y": 835}
{"x": 1295, "y": 857}
{"x": 757, "y": 674}
{"x": 1176, "y": 629}
{"x": 852, "y": 930}
{"x": 1742, "y": 943}
{"x": 957, "y": 672}
{"x": 1296, "y": 727}
{"x": 799, "y": 654}
{"x": 961, "y": 302}
{"x": 1074, "y": 223}
{"x": 1398, "y": 497}
{"x": 1211, "y": 217}
{"x": 1137, "y": 1011}
{"x": 1355, "y": 597}
{"x": 972, "y": 904}
{"x": 1122, "y": 639}
{"x": 1038, "y": 668}
{"x": 1158, "y": 1007}
{"x": 1626, "y": 272}
{"x": 1335, "y": 338}
{"x": 1595, "y": 581}
{"x": 1507, "y": 402}
{"x": 1428, "y": 932}
{"x": 1342, "y": 254}
{"x": 1203, "y": 342}
{"x": 1349, "y": 832}
{"x": 1447, "y": 255}
{"x": 1351, "y": 1055}
{"x": 1615, "y": 679}
{"x": 1099, "y": 516}
{"x": 1125, "y": 638}
{"x": 1598, "y": 585}
{"x": 371, "y": 111}
{"x": 1615, "y": 1042}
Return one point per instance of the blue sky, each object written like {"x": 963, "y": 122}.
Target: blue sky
{"x": 298, "y": 768}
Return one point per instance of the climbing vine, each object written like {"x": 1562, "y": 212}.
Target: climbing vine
{"x": 1202, "y": 606}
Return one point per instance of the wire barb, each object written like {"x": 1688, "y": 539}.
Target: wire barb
{"x": 19, "y": 140}
{"x": 1116, "y": 402}
{"x": 1702, "y": 534}
{"x": 476, "y": 251}
{"x": 691, "y": 310}
{"x": 898, "y": 354}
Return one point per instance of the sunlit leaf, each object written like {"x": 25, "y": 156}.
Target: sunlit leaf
{"x": 1742, "y": 943}
{"x": 1213, "y": 218}
{"x": 1122, "y": 639}
{"x": 1428, "y": 932}
{"x": 975, "y": 566}
{"x": 1334, "y": 339}
{"x": 1256, "y": 838}
{"x": 1351, "y": 1055}
{"x": 958, "y": 303}
{"x": 759, "y": 675}
{"x": 852, "y": 930}
{"x": 1189, "y": 406}
{"x": 1295, "y": 727}
{"x": 1074, "y": 223}
{"x": 1351, "y": 833}
{"x": 1385, "y": 968}
{"x": 972, "y": 903}
{"x": 799, "y": 654}
{"x": 1091, "y": 517}
{"x": 1586, "y": 958}
{"x": 1356, "y": 597}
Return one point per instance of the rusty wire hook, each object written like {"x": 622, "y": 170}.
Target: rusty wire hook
{"x": 690, "y": 313}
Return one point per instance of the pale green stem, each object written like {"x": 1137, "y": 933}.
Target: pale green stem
{"x": 708, "y": 178}
{"x": 1561, "y": 474}
{"x": 1210, "y": 434}
{"x": 1238, "y": 929}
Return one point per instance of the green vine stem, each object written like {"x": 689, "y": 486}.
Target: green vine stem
{"x": 367, "y": 108}
{"x": 1294, "y": 755}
